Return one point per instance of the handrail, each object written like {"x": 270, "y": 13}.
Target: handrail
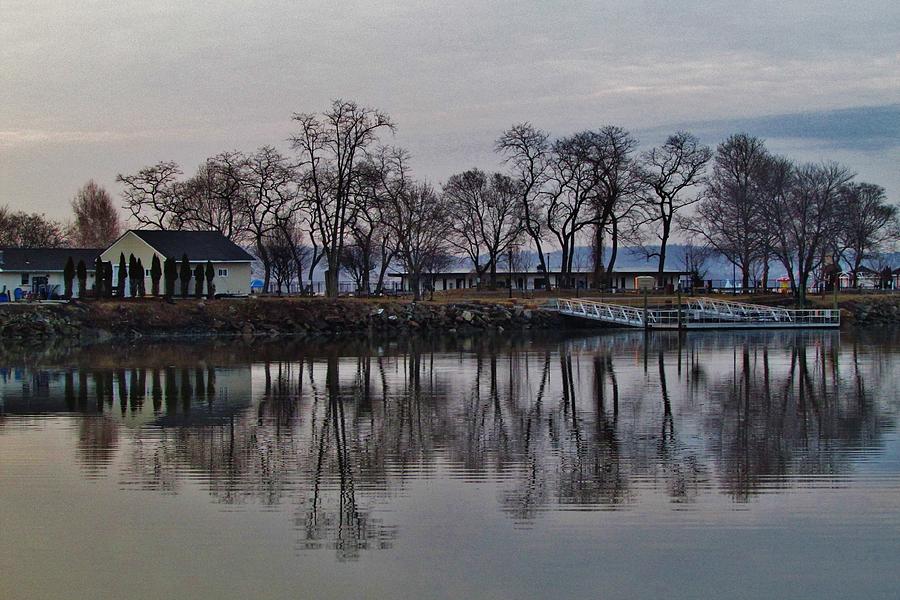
{"x": 704, "y": 313}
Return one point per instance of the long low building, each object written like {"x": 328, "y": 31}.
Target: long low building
{"x": 38, "y": 272}
{"x": 619, "y": 279}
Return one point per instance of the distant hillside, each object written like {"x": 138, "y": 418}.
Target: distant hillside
{"x": 627, "y": 257}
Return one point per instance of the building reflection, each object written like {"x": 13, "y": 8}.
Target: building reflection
{"x": 333, "y": 432}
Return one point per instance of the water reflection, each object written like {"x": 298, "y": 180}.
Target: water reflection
{"x": 332, "y": 433}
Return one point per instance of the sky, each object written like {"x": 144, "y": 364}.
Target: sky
{"x": 90, "y": 89}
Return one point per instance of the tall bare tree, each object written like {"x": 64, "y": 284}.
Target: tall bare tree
{"x": 332, "y": 148}
{"x": 527, "y": 150}
{"x": 418, "y": 221}
{"x": 97, "y": 221}
{"x": 866, "y": 222}
{"x": 803, "y": 217}
{"x": 569, "y": 197}
{"x": 271, "y": 196}
{"x": 609, "y": 153}
{"x": 729, "y": 216}
{"x": 150, "y": 195}
{"x": 672, "y": 172}
{"x": 485, "y": 217}
{"x": 215, "y": 198}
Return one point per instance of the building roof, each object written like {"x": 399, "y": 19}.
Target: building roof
{"x": 45, "y": 259}
{"x": 614, "y": 272}
{"x": 198, "y": 245}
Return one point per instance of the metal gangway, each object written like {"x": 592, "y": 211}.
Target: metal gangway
{"x": 703, "y": 313}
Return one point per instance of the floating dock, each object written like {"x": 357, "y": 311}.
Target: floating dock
{"x": 698, "y": 313}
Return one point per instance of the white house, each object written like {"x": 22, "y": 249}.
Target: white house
{"x": 39, "y": 271}
{"x": 621, "y": 280}
{"x": 230, "y": 261}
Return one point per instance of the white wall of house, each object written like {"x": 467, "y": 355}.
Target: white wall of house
{"x": 10, "y": 280}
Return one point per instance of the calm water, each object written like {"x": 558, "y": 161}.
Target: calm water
{"x": 739, "y": 465}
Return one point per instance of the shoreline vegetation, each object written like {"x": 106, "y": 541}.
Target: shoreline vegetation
{"x": 104, "y": 320}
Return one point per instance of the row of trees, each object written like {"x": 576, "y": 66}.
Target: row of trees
{"x": 131, "y": 277}
{"x": 811, "y": 218}
{"x": 96, "y": 223}
{"x": 347, "y": 201}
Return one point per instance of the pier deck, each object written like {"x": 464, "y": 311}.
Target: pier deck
{"x": 698, "y": 313}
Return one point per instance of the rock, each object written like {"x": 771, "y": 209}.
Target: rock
{"x": 467, "y": 316}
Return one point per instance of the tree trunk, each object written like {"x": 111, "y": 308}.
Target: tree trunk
{"x": 598, "y": 257}
{"x": 663, "y": 242}
{"x": 331, "y": 280}
{"x": 614, "y": 248}
{"x": 267, "y": 267}
{"x": 414, "y": 283}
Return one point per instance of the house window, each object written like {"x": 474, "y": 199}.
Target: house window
{"x": 25, "y": 278}
{"x": 146, "y": 272}
{"x": 223, "y": 272}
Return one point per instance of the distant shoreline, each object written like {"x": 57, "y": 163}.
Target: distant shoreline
{"x": 317, "y": 317}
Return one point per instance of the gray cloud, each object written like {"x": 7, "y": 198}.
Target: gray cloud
{"x": 89, "y": 89}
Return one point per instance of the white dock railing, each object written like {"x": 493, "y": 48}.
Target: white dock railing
{"x": 699, "y": 314}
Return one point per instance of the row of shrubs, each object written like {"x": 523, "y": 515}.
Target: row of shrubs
{"x": 169, "y": 273}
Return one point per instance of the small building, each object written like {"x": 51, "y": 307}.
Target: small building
{"x": 38, "y": 272}
{"x": 230, "y": 262}
{"x": 619, "y": 280}
{"x": 866, "y": 279}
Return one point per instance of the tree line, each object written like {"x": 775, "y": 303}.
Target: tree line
{"x": 131, "y": 278}
{"x": 345, "y": 201}
{"x": 96, "y": 223}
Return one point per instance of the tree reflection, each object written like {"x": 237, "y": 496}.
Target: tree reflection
{"x": 333, "y": 432}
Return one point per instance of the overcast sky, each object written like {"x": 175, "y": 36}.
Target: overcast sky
{"x": 92, "y": 89}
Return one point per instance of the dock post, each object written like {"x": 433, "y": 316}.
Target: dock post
{"x": 646, "y": 322}
{"x": 680, "y": 325}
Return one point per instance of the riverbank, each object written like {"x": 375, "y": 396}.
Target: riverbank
{"x": 314, "y": 317}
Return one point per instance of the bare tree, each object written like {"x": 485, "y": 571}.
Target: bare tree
{"x": 214, "y": 199}
{"x": 30, "y": 230}
{"x": 332, "y": 147}
{"x": 293, "y": 238}
{"x": 694, "y": 261}
{"x": 570, "y": 196}
{"x": 418, "y": 220}
{"x": 803, "y": 216}
{"x": 283, "y": 260}
{"x": 271, "y": 197}
{"x": 866, "y": 222}
{"x": 149, "y": 194}
{"x": 609, "y": 153}
{"x": 485, "y": 216}
{"x": 730, "y": 213}
{"x": 671, "y": 172}
{"x": 372, "y": 248}
{"x": 97, "y": 221}
{"x": 527, "y": 151}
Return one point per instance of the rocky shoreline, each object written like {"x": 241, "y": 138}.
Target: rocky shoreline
{"x": 105, "y": 320}
{"x": 99, "y": 321}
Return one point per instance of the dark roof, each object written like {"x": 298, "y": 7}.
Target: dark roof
{"x": 45, "y": 259}
{"x": 198, "y": 245}
{"x": 576, "y": 273}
